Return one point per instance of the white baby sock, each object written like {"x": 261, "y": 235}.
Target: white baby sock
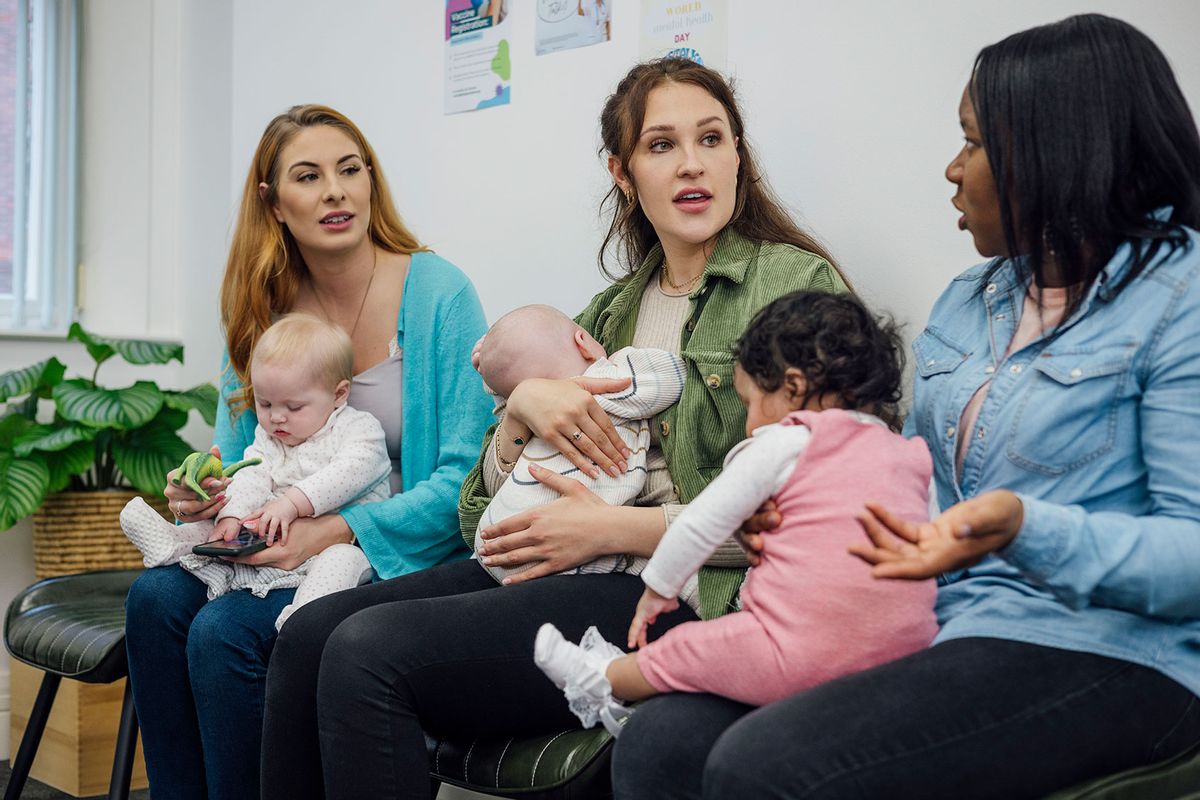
{"x": 160, "y": 541}
{"x": 579, "y": 670}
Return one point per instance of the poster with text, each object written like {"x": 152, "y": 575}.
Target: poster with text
{"x": 698, "y": 30}
{"x": 478, "y": 66}
{"x": 564, "y": 24}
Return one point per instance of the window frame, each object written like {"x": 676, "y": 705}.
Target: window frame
{"x": 45, "y": 207}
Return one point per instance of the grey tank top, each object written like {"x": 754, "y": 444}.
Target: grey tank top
{"x": 379, "y": 391}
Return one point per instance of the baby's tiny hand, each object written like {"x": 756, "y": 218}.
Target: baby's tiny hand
{"x": 228, "y": 528}
{"x": 274, "y": 517}
{"x": 648, "y": 608}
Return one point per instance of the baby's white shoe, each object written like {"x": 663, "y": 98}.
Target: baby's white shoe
{"x": 580, "y": 671}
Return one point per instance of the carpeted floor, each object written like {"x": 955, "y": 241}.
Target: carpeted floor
{"x": 40, "y": 791}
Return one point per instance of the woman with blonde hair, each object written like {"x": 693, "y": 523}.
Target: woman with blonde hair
{"x": 317, "y": 232}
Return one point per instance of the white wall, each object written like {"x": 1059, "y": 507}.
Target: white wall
{"x": 851, "y": 106}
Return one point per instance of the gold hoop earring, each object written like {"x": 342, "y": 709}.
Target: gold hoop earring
{"x": 630, "y": 196}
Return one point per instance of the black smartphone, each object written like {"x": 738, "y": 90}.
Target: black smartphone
{"x": 245, "y": 543}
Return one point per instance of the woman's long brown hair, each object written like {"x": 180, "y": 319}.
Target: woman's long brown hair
{"x": 757, "y": 212}
{"x": 265, "y": 268}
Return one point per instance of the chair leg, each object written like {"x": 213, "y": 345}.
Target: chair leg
{"x": 33, "y": 736}
{"x": 127, "y": 735}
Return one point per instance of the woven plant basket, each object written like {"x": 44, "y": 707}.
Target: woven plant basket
{"x": 80, "y": 532}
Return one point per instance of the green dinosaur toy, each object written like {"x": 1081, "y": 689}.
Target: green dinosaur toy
{"x": 198, "y": 466}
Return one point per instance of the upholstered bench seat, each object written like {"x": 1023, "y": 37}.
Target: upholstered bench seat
{"x": 568, "y": 765}
{"x": 573, "y": 765}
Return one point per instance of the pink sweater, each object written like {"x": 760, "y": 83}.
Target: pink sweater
{"x": 813, "y": 612}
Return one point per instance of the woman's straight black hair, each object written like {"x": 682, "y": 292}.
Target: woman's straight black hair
{"x": 1087, "y": 133}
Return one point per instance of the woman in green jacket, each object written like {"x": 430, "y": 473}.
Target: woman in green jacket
{"x": 703, "y": 245}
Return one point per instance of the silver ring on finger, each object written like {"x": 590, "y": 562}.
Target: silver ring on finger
{"x": 577, "y": 435}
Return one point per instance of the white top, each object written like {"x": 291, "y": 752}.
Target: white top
{"x": 755, "y": 469}
{"x": 345, "y": 462}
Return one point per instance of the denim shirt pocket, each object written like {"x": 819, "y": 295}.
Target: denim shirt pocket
{"x": 937, "y": 357}
{"x": 1066, "y": 415}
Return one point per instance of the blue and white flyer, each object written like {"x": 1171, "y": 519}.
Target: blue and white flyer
{"x": 478, "y": 63}
{"x": 565, "y": 24}
{"x": 698, "y": 30}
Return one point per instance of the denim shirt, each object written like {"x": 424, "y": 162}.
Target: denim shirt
{"x": 1096, "y": 427}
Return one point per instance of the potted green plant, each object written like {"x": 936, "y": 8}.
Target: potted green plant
{"x": 100, "y": 445}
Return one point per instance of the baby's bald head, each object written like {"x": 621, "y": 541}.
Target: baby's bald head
{"x": 534, "y": 341}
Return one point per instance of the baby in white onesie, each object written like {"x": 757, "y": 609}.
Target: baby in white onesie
{"x": 541, "y": 342}
{"x": 318, "y": 455}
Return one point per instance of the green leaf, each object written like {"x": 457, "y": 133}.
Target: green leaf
{"x": 202, "y": 398}
{"x": 170, "y": 418}
{"x": 98, "y": 350}
{"x": 23, "y": 485}
{"x": 135, "y": 351}
{"x": 40, "y": 376}
{"x": 122, "y": 409}
{"x": 68, "y": 462}
{"x": 12, "y": 427}
{"x": 145, "y": 456}
{"x": 52, "y": 438}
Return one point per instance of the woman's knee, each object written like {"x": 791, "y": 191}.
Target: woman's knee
{"x": 662, "y": 749}
{"x": 163, "y": 597}
{"x": 353, "y": 647}
{"x": 734, "y": 764}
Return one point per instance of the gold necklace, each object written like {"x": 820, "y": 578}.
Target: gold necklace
{"x": 679, "y": 287}
{"x": 362, "y": 304}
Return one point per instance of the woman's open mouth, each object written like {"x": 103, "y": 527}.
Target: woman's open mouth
{"x": 337, "y": 221}
{"x": 693, "y": 200}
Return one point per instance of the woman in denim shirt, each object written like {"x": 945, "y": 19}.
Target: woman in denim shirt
{"x": 1058, "y": 387}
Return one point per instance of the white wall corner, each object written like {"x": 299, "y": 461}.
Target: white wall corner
{"x": 5, "y": 715}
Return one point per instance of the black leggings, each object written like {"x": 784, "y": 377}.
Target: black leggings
{"x": 971, "y": 718}
{"x": 357, "y": 676}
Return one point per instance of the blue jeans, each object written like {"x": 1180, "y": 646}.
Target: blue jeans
{"x": 198, "y": 671}
{"x": 970, "y": 718}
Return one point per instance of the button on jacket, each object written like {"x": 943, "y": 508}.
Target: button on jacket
{"x": 1096, "y": 426}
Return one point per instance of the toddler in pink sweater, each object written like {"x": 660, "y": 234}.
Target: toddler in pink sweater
{"x": 816, "y": 373}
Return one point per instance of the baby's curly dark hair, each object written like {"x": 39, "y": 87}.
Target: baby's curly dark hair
{"x": 839, "y": 345}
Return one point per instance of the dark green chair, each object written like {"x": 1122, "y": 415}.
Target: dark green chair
{"x": 568, "y": 765}
{"x": 573, "y": 765}
{"x": 72, "y": 627}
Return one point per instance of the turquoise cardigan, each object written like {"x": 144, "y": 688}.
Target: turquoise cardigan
{"x": 445, "y": 412}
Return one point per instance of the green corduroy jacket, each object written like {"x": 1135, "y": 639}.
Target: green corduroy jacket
{"x": 742, "y": 275}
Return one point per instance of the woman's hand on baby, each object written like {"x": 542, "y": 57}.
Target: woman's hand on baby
{"x": 648, "y": 608}
{"x": 750, "y": 537}
{"x": 186, "y": 505}
{"x": 273, "y": 518}
{"x": 560, "y": 535}
{"x": 959, "y": 538}
{"x": 565, "y": 414}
